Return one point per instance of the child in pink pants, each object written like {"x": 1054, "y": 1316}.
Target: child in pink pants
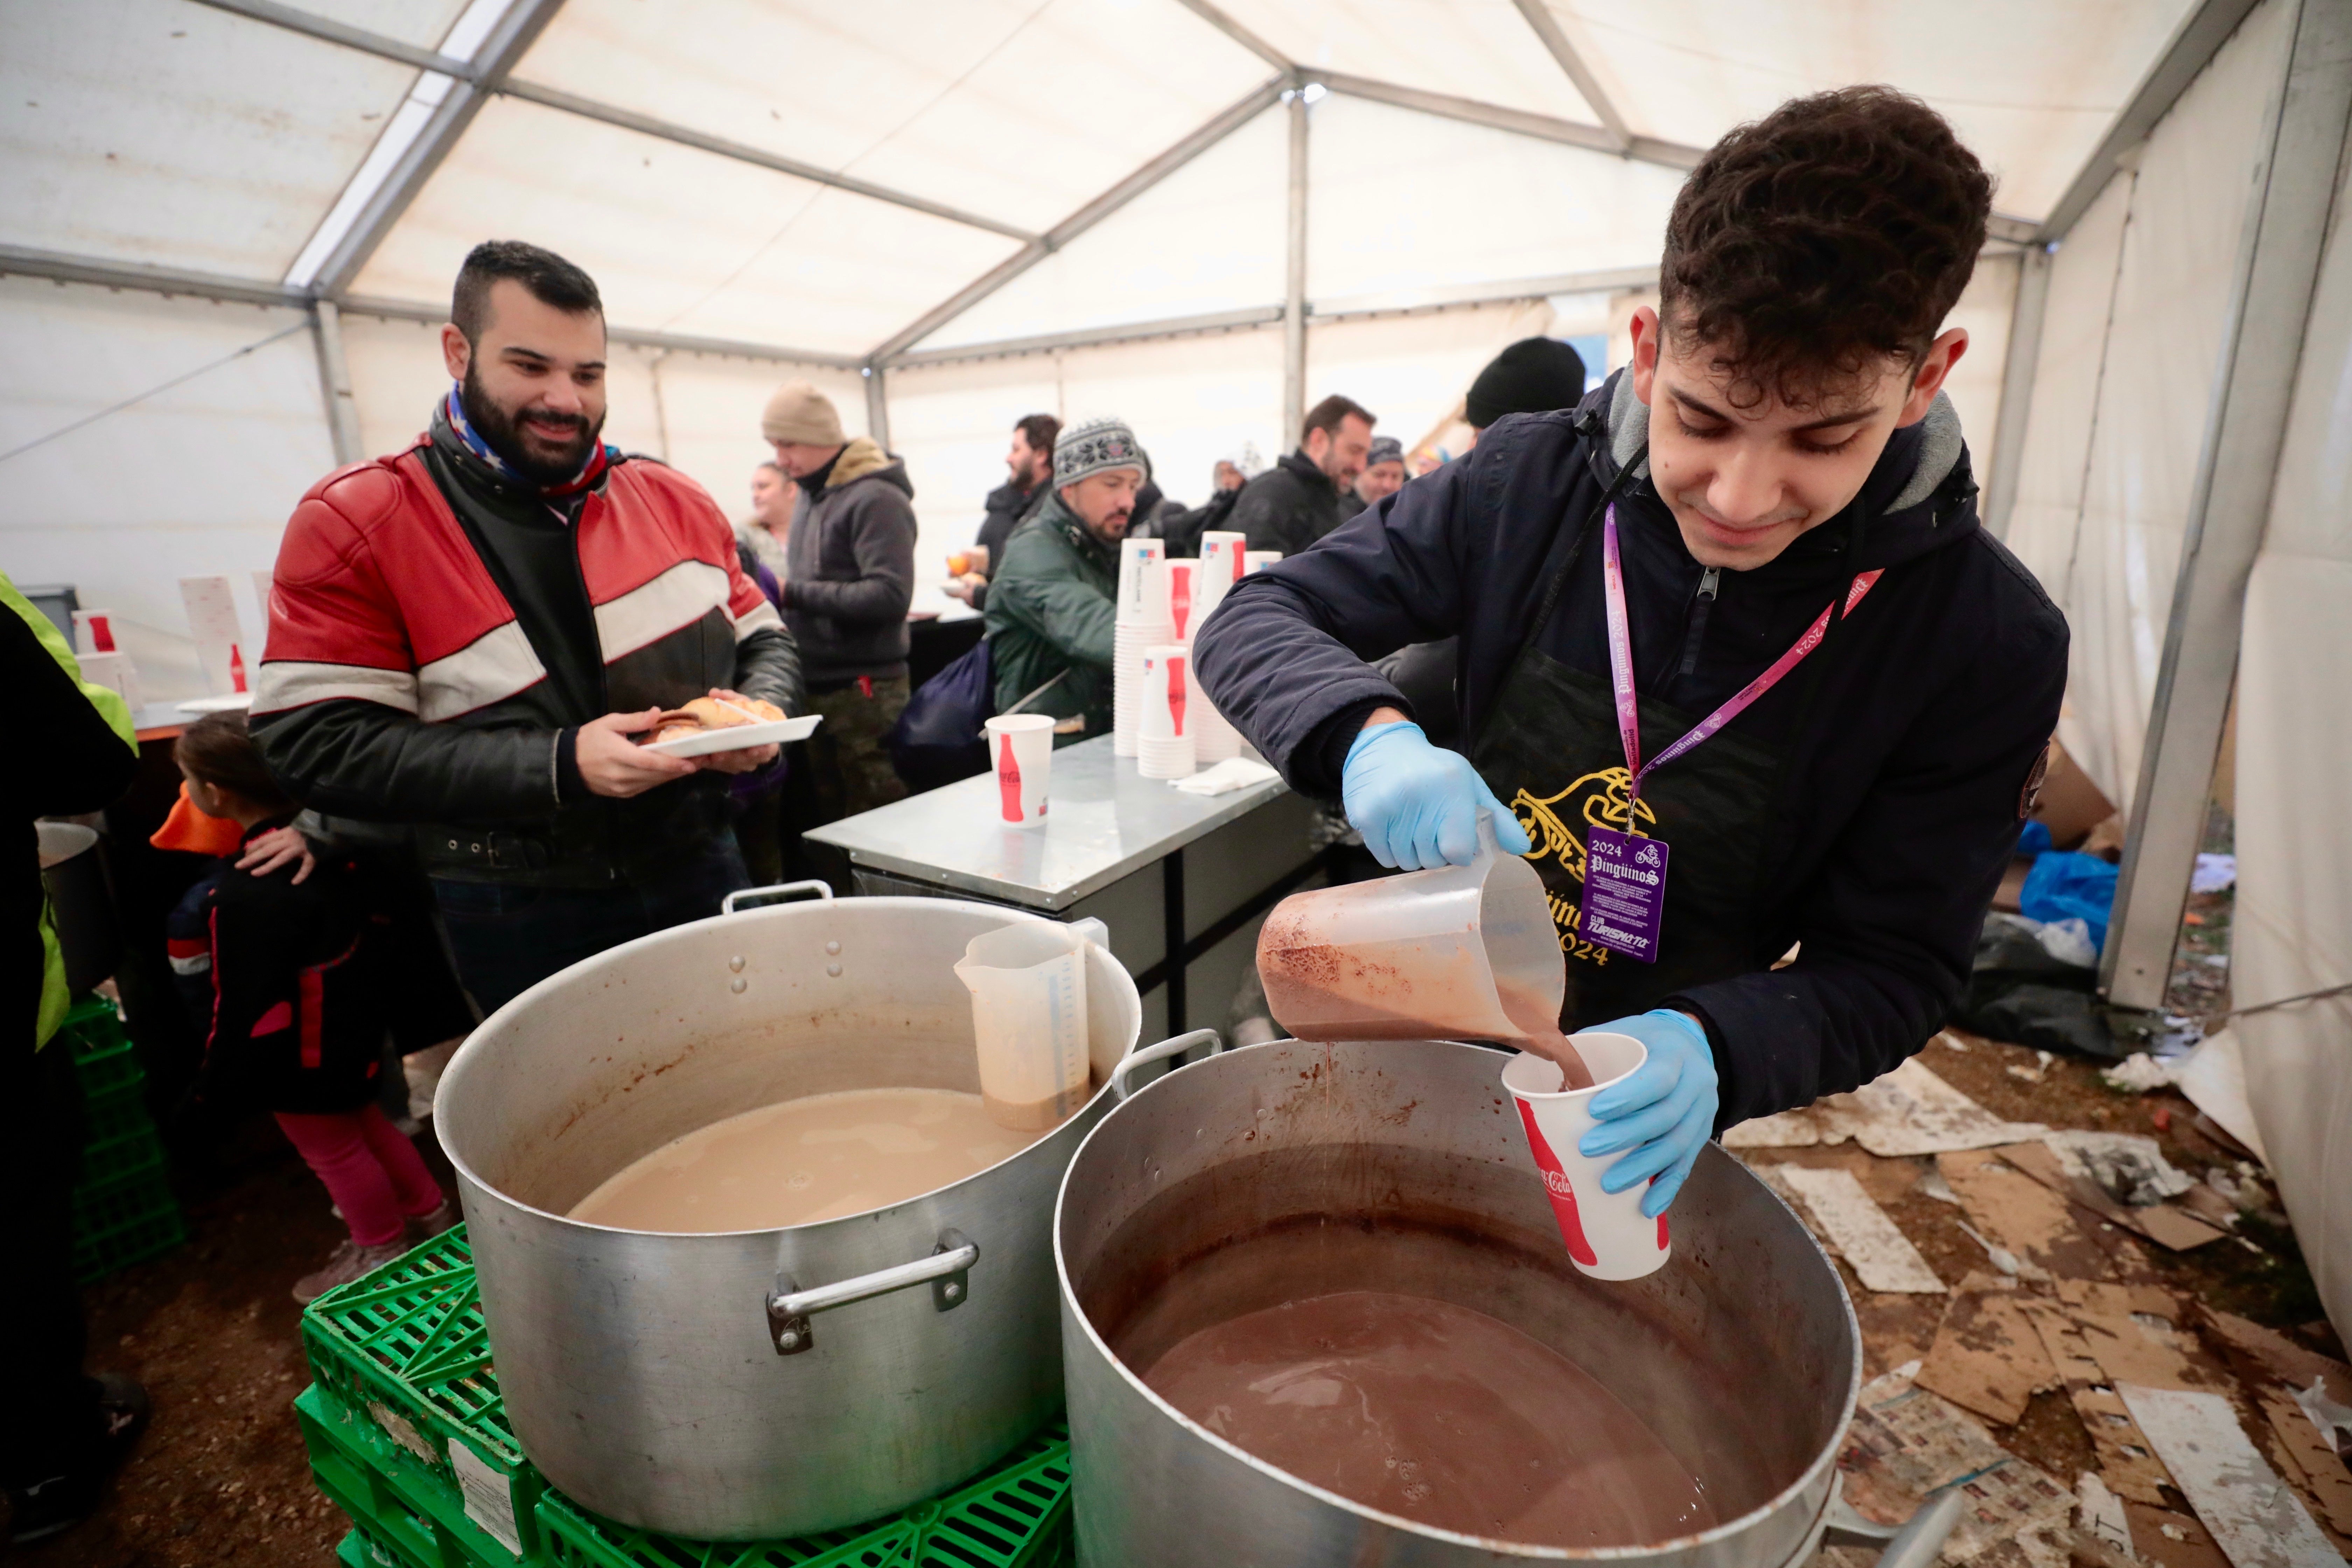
{"x": 298, "y": 1013}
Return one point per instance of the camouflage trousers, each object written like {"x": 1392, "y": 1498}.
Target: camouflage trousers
{"x": 849, "y": 767}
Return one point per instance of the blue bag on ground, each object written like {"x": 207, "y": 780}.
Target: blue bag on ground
{"x": 2067, "y": 885}
{"x": 938, "y": 738}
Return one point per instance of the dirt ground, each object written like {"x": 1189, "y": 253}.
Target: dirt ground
{"x": 221, "y": 1476}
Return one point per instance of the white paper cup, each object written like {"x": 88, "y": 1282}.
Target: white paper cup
{"x": 1128, "y": 639}
{"x": 1258, "y": 560}
{"x": 94, "y": 631}
{"x": 1607, "y": 1235}
{"x": 1166, "y": 693}
{"x": 1020, "y": 748}
{"x": 1183, "y": 585}
{"x": 1213, "y": 740}
{"x": 1142, "y": 592}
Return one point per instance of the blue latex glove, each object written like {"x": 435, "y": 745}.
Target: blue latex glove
{"x": 1417, "y": 805}
{"x": 1663, "y": 1112}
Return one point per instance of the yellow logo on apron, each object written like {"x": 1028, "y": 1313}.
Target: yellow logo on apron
{"x": 1600, "y": 798}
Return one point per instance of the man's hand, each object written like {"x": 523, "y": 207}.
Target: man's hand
{"x": 962, "y": 588}
{"x": 1417, "y": 805}
{"x": 750, "y": 759}
{"x": 276, "y": 850}
{"x": 612, "y": 765}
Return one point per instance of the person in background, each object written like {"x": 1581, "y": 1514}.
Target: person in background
{"x": 763, "y": 534}
{"x": 1054, "y": 602}
{"x": 1029, "y": 464}
{"x": 1297, "y": 502}
{"x": 64, "y": 1432}
{"x": 1534, "y": 376}
{"x": 299, "y": 984}
{"x": 468, "y": 635}
{"x": 849, "y": 577}
{"x": 1227, "y": 476}
{"x": 1383, "y": 476}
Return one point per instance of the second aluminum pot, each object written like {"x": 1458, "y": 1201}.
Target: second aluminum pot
{"x": 1294, "y": 1169}
{"x": 764, "y": 1383}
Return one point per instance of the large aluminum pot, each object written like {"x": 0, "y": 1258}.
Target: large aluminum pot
{"x": 81, "y": 905}
{"x": 768, "y": 1383}
{"x": 1398, "y": 1165}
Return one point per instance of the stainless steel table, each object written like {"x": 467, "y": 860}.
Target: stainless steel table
{"x": 1183, "y": 882}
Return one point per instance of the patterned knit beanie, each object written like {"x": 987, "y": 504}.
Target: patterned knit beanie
{"x": 1385, "y": 449}
{"x": 1095, "y": 445}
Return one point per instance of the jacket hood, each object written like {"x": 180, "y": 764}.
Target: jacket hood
{"x": 1055, "y": 514}
{"x": 1919, "y": 497}
{"x": 861, "y": 460}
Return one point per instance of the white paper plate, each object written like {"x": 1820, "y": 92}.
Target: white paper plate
{"x": 236, "y": 703}
{"x": 777, "y": 732}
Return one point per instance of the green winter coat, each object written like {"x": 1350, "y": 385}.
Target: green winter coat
{"x": 1051, "y": 606}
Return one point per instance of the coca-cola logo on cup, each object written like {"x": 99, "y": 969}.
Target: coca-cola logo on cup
{"x": 1558, "y": 1182}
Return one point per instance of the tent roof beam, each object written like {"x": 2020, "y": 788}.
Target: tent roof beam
{"x": 490, "y": 81}
{"x": 1546, "y": 27}
{"x": 2192, "y": 47}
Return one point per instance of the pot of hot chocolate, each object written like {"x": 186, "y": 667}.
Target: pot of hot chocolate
{"x": 1315, "y": 1311}
{"x": 750, "y": 1384}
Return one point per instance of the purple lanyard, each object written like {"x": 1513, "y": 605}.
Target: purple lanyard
{"x": 1620, "y": 670}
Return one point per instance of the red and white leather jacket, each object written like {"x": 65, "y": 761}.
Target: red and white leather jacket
{"x": 398, "y": 685}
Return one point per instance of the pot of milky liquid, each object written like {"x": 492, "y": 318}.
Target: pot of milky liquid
{"x": 754, "y": 1259}
{"x": 1314, "y": 1311}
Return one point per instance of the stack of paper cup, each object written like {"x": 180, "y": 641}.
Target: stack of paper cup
{"x": 1164, "y": 743}
{"x": 1213, "y": 740}
{"x": 1142, "y": 622}
{"x": 1183, "y": 597}
{"x": 1258, "y": 560}
{"x": 1220, "y": 567}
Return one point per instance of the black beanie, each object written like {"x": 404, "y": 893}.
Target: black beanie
{"x": 1533, "y": 375}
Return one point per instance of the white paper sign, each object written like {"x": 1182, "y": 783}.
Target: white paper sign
{"x": 220, "y": 638}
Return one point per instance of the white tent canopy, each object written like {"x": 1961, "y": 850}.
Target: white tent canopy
{"x": 228, "y": 229}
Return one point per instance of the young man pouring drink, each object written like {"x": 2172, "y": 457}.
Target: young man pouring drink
{"x": 1739, "y": 669}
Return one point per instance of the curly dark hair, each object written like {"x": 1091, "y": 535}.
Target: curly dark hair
{"x": 1837, "y": 229}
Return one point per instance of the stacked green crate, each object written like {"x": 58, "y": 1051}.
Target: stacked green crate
{"x": 124, "y": 1211}
{"x": 408, "y": 1435}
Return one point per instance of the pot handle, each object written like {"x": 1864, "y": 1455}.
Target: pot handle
{"x": 820, "y": 889}
{"x": 1916, "y": 1543}
{"x": 948, "y": 1271}
{"x": 1176, "y": 1046}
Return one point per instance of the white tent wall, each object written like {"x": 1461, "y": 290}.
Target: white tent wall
{"x": 2047, "y": 519}
{"x": 1974, "y": 385}
{"x": 954, "y": 424}
{"x": 189, "y": 479}
{"x": 2181, "y": 243}
{"x": 2291, "y": 928}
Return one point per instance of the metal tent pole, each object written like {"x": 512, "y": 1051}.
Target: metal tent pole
{"x": 2278, "y": 265}
{"x": 1294, "y": 304}
{"x": 2025, "y": 315}
{"x": 335, "y": 383}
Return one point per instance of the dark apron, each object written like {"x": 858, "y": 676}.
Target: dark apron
{"x": 1550, "y": 752}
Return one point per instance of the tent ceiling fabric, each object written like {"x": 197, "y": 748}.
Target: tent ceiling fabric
{"x": 1022, "y": 111}
{"x": 2031, "y": 86}
{"x": 228, "y": 139}
{"x": 1469, "y": 49}
{"x": 139, "y": 131}
{"x": 677, "y": 240}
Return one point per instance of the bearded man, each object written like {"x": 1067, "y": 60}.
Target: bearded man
{"x": 472, "y": 635}
{"x": 1053, "y": 603}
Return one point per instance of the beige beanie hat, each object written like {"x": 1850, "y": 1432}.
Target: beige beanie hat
{"x": 799, "y": 413}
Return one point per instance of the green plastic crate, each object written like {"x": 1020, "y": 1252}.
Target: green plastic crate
{"x": 360, "y": 1549}
{"x": 109, "y": 1115}
{"x": 1016, "y": 1516}
{"x": 397, "y": 1498}
{"x": 403, "y": 1350}
{"x": 127, "y": 1219}
{"x": 104, "y": 1059}
{"x": 123, "y": 1206}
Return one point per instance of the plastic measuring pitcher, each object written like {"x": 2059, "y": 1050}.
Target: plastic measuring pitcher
{"x": 1458, "y": 952}
{"x": 1028, "y": 986}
